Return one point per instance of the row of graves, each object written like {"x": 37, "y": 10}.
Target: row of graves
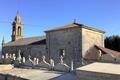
{"x": 22, "y": 62}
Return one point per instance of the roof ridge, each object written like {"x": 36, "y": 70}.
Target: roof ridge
{"x": 108, "y": 51}
{"x": 78, "y": 24}
{"x": 33, "y": 37}
{"x": 75, "y": 25}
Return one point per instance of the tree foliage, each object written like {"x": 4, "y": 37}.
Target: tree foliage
{"x": 113, "y": 42}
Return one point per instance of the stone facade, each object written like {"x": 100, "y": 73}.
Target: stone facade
{"x": 89, "y": 39}
{"x": 68, "y": 40}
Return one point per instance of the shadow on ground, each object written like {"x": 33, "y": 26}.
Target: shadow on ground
{"x": 65, "y": 76}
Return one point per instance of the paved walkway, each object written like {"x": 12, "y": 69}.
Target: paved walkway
{"x": 33, "y": 74}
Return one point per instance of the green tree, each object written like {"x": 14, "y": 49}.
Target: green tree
{"x": 113, "y": 42}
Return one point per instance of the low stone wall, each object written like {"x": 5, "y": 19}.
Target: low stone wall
{"x": 87, "y": 75}
{"x": 99, "y": 71}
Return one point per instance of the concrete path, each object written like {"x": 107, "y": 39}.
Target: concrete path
{"x": 33, "y": 74}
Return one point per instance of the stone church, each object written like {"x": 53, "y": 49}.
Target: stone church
{"x": 74, "y": 42}
{"x": 34, "y": 46}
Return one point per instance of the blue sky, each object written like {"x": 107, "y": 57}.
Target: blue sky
{"x": 41, "y": 15}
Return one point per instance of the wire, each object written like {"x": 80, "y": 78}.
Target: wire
{"x": 30, "y": 25}
{"x": 5, "y": 22}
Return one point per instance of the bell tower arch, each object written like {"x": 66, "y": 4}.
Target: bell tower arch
{"x": 17, "y": 28}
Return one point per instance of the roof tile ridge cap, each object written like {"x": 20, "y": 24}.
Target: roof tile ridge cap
{"x": 61, "y": 27}
{"x": 66, "y": 25}
{"x": 78, "y": 24}
{"x": 70, "y": 24}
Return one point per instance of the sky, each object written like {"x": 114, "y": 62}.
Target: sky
{"x": 40, "y": 15}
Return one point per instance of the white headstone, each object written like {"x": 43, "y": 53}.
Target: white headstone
{"x": 72, "y": 65}
{"x": 43, "y": 58}
{"x": 100, "y": 54}
{"x": 6, "y": 56}
{"x": 19, "y": 56}
{"x": 3, "y": 57}
{"x": 61, "y": 60}
{"x": 13, "y": 57}
{"x": 23, "y": 59}
{"x": 52, "y": 62}
{"x": 37, "y": 61}
{"x": 29, "y": 58}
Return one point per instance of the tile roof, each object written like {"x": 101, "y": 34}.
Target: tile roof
{"x": 27, "y": 41}
{"x": 113, "y": 53}
{"x": 93, "y": 55}
{"x": 74, "y": 25}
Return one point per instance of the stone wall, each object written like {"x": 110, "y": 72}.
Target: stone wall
{"x": 67, "y": 39}
{"x": 89, "y": 39}
{"x": 99, "y": 71}
{"x": 32, "y": 50}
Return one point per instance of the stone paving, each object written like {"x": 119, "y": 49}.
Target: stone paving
{"x": 32, "y": 74}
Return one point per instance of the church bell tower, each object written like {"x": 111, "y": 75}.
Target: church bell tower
{"x": 16, "y": 28}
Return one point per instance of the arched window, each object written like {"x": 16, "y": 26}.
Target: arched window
{"x": 19, "y": 31}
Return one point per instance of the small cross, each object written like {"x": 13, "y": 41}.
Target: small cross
{"x": 74, "y": 21}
